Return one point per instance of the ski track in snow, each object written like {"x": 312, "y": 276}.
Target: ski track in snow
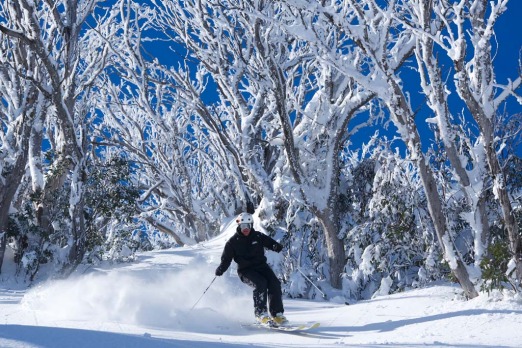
{"x": 148, "y": 304}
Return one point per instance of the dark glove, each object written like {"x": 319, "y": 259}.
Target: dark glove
{"x": 277, "y": 247}
{"x": 219, "y": 272}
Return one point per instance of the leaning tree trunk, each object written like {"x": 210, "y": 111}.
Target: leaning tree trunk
{"x": 405, "y": 120}
{"x": 501, "y": 192}
{"x": 435, "y": 89}
{"x": 439, "y": 220}
{"x": 476, "y": 84}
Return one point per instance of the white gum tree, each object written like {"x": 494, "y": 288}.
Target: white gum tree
{"x": 55, "y": 57}
{"x": 468, "y": 39}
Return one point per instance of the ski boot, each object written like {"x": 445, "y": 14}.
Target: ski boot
{"x": 279, "y": 319}
{"x": 264, "y": 319}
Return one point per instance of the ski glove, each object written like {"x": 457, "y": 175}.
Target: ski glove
{"x": 219, "y": 272}
{"x": 277, "y": 247}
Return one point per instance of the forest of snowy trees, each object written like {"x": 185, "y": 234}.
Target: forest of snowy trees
{"x": 372, "y": 138}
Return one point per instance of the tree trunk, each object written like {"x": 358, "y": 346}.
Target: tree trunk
{"x": 435, "y": 90}
{"x": 335, "y": 246}
{"x": 439, "y": 221}
{"x": 165, "y": 229}
{"x": 476, "y": 85}
{"x": 511, "y": 224}
{"x": 12, "y": 181}
{"x": 403, "y": 116}
{"x": 499, "y": 182}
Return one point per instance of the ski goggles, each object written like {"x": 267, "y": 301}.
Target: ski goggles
{"x": 245, "y": 226}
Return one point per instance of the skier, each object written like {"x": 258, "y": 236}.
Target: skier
{"x": 246, "y": 248}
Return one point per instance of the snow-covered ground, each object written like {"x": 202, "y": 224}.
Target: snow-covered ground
{"x": 149, "y": 304}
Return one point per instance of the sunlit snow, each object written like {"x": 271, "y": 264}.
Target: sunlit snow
{"x": 148, "y": 304}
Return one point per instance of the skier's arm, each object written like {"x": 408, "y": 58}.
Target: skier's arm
{"x": 271, "y": 244}
{"x": 226, "y": 260}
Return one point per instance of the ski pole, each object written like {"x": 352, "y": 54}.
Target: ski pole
{"x": 311, "y": 282}
{"x": 204, "y": 292}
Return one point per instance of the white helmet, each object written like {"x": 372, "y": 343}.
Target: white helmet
{"x": 244, "y": 218}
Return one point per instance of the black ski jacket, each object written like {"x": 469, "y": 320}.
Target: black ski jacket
{"x": 246, "y": 251}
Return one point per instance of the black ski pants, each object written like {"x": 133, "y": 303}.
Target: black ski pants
{"x": 266, "y": 287}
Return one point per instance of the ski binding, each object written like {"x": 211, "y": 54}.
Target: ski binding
{"x": 287, "y": 327}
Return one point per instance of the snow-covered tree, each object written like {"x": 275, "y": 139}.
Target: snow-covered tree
{"x": 283, "y": 92}
{"x": 436, "y": 89}
{"x": 392, "y": 247}
{"x": 155, "y": 113}
{"x": 257, "y": 104}
{"x": 216, "y": 43}
{"x": 377, "y": 46}
{"x": 455, "y": 29}
{"x": 469, "y": 43}
{"x": 21, "y": 107}
{"x": 383, "y": 36}
{"x": 56, "y": 53}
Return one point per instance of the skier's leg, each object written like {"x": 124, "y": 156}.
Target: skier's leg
{"x": 259, "y": 283}
{"x": 275, "y": 295}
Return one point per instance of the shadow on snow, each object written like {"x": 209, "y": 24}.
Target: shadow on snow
{"x": 56, "y": 337}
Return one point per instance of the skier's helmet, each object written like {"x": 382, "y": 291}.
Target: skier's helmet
{"x": 244, "y": 218}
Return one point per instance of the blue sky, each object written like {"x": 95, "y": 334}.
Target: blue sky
{"x": 508, "y": 30}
